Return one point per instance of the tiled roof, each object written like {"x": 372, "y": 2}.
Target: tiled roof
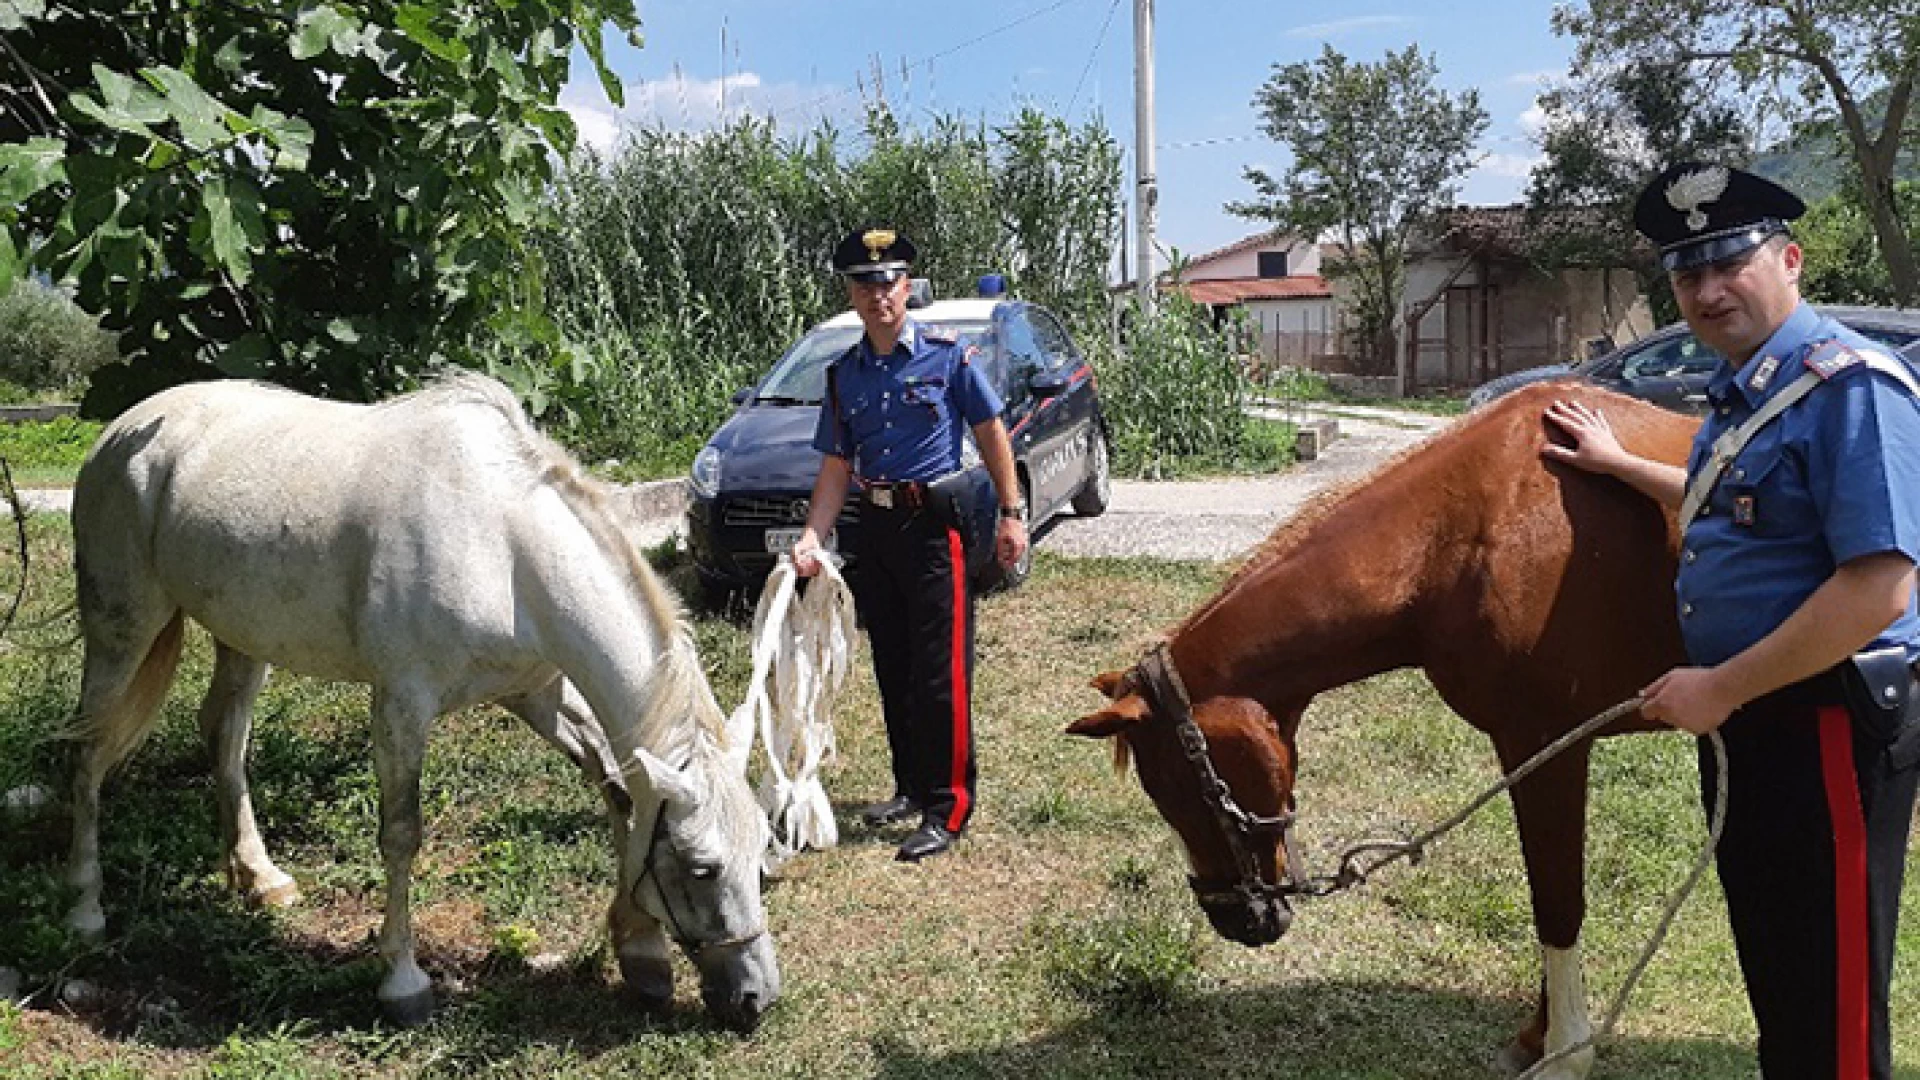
{"x": 1519, "y": 232}
{"x": 1239, "y": 290}
{"x": 1245, "y": 244}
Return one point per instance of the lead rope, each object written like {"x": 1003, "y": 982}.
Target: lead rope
{"x": 1352, "y": 872}
{"x": 1679, "y": 897}
{"x": 802, "y": 649}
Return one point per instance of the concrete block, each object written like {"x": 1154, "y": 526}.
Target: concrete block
{"x": 1310, "y": 437}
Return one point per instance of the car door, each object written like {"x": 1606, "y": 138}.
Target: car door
{"x": 1671, "y": 372}
{"x": 1062, "y": 419}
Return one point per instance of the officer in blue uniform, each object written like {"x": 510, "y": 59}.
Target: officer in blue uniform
{"x": 1796, "y": 604}
{"x": 891, "y": 426}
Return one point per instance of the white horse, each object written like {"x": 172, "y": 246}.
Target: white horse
{"x": 441, "y": 550}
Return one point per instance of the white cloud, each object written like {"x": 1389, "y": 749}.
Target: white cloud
{"x": 1534, "y": 78}
{"x": 1534, "y": 121}
{"x": 679, "y": 103}
{"x": 1508, "y": 166}
{"x": 1341, "y": 27}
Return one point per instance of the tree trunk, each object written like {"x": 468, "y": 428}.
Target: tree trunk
{"x": 1895, "y": 245}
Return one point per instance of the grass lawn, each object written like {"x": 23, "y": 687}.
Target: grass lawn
{"x": 1057, "y": 941}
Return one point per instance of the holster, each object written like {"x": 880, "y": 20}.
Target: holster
{"x": 1880, "y": 694}
{"x": 950, "y": 498}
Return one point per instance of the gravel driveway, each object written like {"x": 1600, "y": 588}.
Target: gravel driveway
{"x": 1223, "y": 519}
{"x": 1187, "y": 519}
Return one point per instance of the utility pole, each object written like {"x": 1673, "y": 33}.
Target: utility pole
{"x": 1146, "y": 191}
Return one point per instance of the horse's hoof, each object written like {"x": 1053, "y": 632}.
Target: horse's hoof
{"x": 1514, "y": 1059}
{"x": 283, "y": 894}
{"x": 410, "y": 1011}
{"x": 87, "y": 924}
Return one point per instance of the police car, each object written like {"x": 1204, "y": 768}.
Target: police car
{"x": 751, "y": 483}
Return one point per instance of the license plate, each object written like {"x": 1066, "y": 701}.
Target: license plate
{"x": 779, "y": 540}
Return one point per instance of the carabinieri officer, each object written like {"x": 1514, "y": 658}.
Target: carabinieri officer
{"x": 890, "y": 426}
{"x": 1796, "y": 605}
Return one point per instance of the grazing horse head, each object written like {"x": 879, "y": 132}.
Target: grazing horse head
{"x": 1221, "y": 772}
{"x": 693, "y": 848}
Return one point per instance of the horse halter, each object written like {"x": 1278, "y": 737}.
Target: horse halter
{"x": 1159, "y": 680}
{"x": 688, "y": 944}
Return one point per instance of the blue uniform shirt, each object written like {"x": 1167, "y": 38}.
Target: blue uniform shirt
{"x": 896, "y": 417}
{"x": 1834, "y": 477}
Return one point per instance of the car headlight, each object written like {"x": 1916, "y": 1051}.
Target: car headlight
{"x": 706, "y": 472}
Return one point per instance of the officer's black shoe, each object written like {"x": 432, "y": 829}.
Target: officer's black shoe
{"x": 898, "y": 808}
{"x": 928, "y": 839}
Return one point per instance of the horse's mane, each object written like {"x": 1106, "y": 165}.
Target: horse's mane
{"x": 677, "y": 686}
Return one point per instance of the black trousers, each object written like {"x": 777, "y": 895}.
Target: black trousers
{"x": 1811, "y": 861}
{"x": 911, "y": 590}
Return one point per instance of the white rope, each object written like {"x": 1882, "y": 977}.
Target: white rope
{"x": 1679, "y": 897}
{"x": 802, "y": 648}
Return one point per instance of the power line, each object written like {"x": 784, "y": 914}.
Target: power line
{"x": 1091, "y": 56}
{"x": 943, "y": 54}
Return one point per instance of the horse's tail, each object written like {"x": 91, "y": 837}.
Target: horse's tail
{"x": 118, "y": 725}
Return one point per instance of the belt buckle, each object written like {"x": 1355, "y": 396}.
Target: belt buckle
{"x": 881, "y": 497}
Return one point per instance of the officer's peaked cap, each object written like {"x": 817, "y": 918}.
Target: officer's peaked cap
{"x": 873, "y": 254}
{"x": 1698, "y": 213}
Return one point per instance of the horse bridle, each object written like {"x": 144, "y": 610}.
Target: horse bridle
{"x": 690, "y": 945}
{"x": 1157, "y": 678}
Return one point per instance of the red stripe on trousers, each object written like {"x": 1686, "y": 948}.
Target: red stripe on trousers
{"x": 1849, "y": 892}
{"x": 957, "y": 561}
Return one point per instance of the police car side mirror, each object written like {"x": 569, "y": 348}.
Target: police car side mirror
{"x": 1046, "y": 384}
{"x": 741, "y": 395}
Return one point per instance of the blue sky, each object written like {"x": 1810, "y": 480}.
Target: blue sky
{"x": 798, "y": 60}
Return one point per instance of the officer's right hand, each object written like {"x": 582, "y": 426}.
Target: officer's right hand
{"x": 806, "y": 554}
{"x": 1595, "y": 448}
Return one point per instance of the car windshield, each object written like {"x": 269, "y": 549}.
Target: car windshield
{"x": 800, "y": 377}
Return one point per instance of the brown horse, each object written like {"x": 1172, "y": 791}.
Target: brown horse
{"x": 1533, "y": 595}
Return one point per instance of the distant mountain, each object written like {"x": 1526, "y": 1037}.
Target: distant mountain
{"x": 1816, "y": 160}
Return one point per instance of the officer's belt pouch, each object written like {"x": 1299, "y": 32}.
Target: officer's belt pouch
{"x": 1880, "y": 695}
{"x": 951, "y": 499}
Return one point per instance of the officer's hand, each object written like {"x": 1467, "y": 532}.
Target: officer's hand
{"x": 806, "y": 554}
{"x": 1594, "y": 448}
{"x": 1689, "y": 698}
{"x": 1010, "y": 541}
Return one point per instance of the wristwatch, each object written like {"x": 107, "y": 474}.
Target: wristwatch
{"x": 1016, "y": 512}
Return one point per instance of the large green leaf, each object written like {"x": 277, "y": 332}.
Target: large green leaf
{"x": 225, "y": 232}
{"x": 15, "y": 13}
{"x": 416, "y": 22}
{"x": 319, "y": 29}
{"x": 202, "y": 120}
{"x": 29, "y": 168}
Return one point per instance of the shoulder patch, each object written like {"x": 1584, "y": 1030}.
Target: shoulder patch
{"x": 1832, "y": 358}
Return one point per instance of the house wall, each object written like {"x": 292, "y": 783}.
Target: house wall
{"x": 1302, "y": 259}
{"x": 1531, "y": 318}
{"x": 1299, "y": 332}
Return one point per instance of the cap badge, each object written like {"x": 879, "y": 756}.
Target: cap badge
{"x": 1688, "y": 191}
{"x": 879, "y": 240}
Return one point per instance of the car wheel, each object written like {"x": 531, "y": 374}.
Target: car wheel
{"x": 1094, "y": 495}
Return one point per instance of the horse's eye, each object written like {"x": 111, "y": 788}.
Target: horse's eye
{"x": 703, "y": 872}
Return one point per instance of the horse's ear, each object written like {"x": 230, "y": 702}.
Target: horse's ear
{"x": 1109, "y": 683}
{"x": 666, "y": 781}
{"x": 1113, "y": 720}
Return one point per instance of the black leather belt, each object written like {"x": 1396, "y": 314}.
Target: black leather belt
{"x": 894, "y": 494}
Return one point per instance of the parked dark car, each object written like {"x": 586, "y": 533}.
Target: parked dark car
{"x": 1670, "y": 367}
{"x": 751, "y": 483}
